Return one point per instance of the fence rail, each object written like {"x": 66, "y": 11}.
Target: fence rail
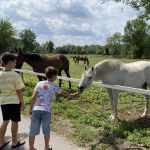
{"x": 116, "y": 87}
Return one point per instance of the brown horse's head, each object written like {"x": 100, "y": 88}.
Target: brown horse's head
{"x": 20, "y": 58}
{"x": 74, "y": 58}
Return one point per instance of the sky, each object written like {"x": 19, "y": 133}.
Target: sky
{"x": 76, "y": 22}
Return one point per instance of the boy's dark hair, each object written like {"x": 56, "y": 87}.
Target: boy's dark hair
{"x": 7, "y": 57}
{"x": 50, "y": 72}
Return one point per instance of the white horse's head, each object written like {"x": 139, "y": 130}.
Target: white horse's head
{"x": 86, "y": 79}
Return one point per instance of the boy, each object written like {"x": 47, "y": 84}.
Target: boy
{"x": 41, "y": 106}
{"x": 11, "y": 99}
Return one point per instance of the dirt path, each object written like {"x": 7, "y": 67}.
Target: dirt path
{"x": 58, "y": 142}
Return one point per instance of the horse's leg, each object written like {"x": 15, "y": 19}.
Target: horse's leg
{"x": 40, "y": 78}
{"x": 88, "y": 63}
{"x": 115, "y": 100}
{"x": 113, "y": 96}
{"x": 75, "y": 62}
{"x": 68, "y": 75}
{"x": 146, "y": 102}
{"x": 110, "y": 94}
{"x": 60, "y": 80}
{"x": 146, "y": 106}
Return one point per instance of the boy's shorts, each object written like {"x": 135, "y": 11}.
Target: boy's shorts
{"x": 11, "y": 112}
{"x": 40, "y": 118}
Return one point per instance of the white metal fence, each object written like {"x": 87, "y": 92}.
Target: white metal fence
{"x": 117, "y": 87}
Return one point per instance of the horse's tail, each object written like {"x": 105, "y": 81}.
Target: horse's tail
{"x": 64, "y": 61}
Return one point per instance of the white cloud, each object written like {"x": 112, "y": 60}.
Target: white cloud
{"x": 53, "y": 23}
{"x": 19, "y": 25}
{"x": 68, "y": 21}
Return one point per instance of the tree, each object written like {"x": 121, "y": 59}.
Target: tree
{"x": 7, "y": 33}
{"x": 147, "y": 46}
{"x": 114, "y": 43}
{"x": 143, "y": 6}
{"x": 135, "y": 32}
{"x": 106, "y": 51}
{"x": 38, "y": 48}
{"x": 61, "y": 50}
{"x": 28, "y": 39}
{"x": 49, "y": 47}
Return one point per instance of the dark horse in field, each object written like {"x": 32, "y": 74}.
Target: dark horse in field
{"x": 81, "y": 58}
{"x": 39, "y": 62}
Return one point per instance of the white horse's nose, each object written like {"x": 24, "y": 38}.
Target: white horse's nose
{"x": 80, "y": 88}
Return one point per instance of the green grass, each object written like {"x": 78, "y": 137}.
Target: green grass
{"x": 86, "y": 119}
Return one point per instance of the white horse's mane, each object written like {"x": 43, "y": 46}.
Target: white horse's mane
{"x": 108, "y": 65}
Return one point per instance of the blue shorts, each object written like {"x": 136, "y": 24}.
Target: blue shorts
{"x": 39, "y": 118}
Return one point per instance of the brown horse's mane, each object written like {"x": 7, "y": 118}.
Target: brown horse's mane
{"x": 38, "y": 57}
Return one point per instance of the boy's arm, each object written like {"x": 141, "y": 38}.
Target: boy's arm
{"x": 75, "y": 94}
{"x": 67, "y": 94}
{"x": 20, "y": 96}
{"x": 33, "y": 98}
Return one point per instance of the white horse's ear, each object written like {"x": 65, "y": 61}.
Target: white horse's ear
{"x": 92, "y": 69}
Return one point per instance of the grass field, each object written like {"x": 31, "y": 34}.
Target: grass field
{"x": 86, "y": 121}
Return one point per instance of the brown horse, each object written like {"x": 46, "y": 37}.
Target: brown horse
{"x": 81, "y": 58}
{"x": 39, "y": 62}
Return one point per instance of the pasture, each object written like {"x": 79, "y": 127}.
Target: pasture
{"x": 86, "y": 121}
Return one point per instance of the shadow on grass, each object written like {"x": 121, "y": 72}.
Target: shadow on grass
{"x": 121, "y": 130}
{"x": 107, "y": 138}
{"x": 142, "y": 122}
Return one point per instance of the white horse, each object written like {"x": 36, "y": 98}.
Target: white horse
{"x": 114, "y": 72}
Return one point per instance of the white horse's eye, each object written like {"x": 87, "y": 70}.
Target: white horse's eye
{"x": 90, "y": 78}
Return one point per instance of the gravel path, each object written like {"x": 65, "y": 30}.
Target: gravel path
{"x": 57, "y": 142}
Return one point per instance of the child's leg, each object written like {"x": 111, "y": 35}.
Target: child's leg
{"x": 34, "y": 128}
{"x": 15, "y": 118}
{"x": 14, "y": 132}
{"x": 46, "y": 127}
{"x": 3, "y": 128}
{"x": 46, "y": 139}
{"x": 31, "y": 142}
